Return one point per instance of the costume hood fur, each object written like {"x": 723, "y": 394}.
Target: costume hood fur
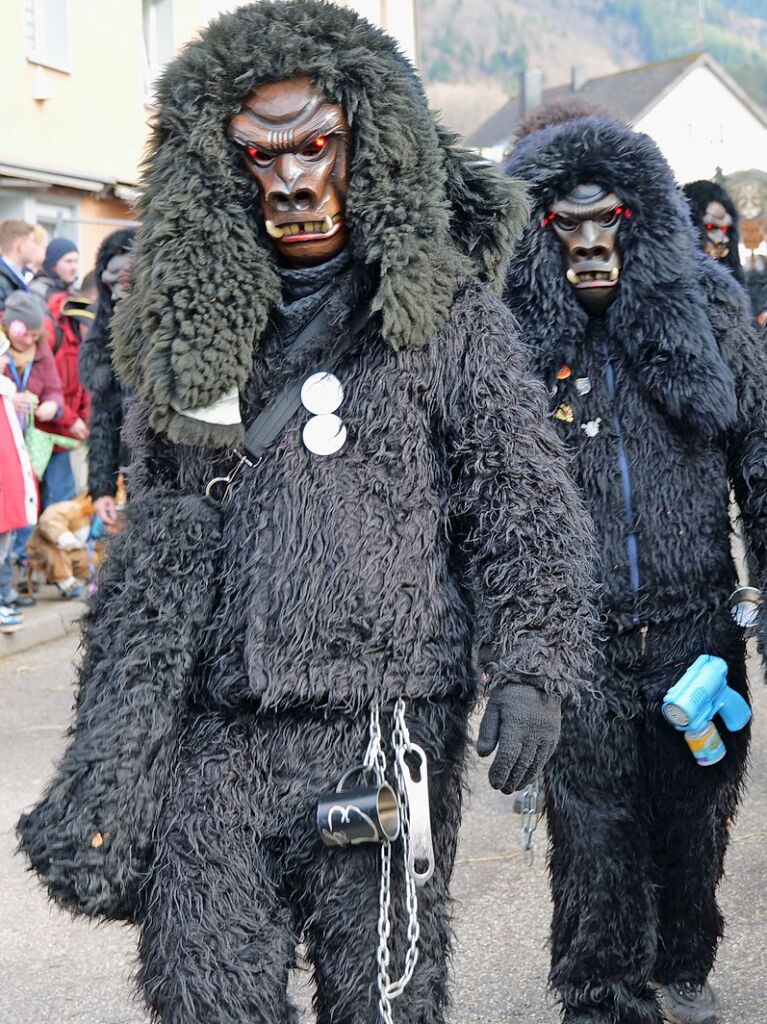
{"x": 699, "y": 194}
{"x": 424, "y": 214}
{"x": 95, "y": 363}
{"x": 659, "y": 315}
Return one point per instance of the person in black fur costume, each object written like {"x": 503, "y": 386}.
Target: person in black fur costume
{"x": 109, "y": 397}
{"x": 236, "y": 648}
{"x": 716, "y": 220}
{"x": 657, "y": 387}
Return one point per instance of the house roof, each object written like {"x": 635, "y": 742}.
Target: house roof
{"x": 624, "y": 95}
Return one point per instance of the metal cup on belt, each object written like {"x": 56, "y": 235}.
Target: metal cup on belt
{"x": 364, "y": 814}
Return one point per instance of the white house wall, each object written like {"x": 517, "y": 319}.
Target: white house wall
{"x": 701, "y": 125}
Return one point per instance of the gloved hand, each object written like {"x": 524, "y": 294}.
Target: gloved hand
{"x": 523, "y": 722}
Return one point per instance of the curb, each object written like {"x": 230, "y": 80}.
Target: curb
{"x": 45, "y": 625}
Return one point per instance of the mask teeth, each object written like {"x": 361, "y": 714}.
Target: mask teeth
{"x": 614, "y": 274}
{"x": 571, "y": 275}
{"x": 327, "y": 223}
{"x": 273, "y": 231}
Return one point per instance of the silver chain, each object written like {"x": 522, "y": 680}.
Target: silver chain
{"x": 375, "y": 760}
{"x": 530, "y": 815}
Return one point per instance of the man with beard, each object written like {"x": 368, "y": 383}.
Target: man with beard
{"x": 715, "y": 217}
{"x": 656, "y": 384}
{"x": 314, "y": 347}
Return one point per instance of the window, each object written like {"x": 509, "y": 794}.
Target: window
{"x": 46, "y": 27}
{"x": 158, "y": 45}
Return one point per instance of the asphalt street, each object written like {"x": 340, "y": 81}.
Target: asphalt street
{"x": 56, "y": 970}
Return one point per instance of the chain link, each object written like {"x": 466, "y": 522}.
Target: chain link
{"x": 375, "y": 760}
{"x": 530, "y": 815}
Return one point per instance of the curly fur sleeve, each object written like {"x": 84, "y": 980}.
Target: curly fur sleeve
{"x": 525, "y": 531}
{"x": 746, "y": 354}
{"x": 104, "y": 441}
{"x": 90, "y": 837}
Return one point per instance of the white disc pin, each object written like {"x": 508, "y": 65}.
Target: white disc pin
{"x": 322, "y": 393}
{"x": 324, "y": 434}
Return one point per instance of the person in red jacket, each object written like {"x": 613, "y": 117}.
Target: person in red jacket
{"x": 66, "y": 317}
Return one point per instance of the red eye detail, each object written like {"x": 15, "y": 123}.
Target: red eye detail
{"x": 545, "y": 221}
{"x": 627, "y": 213}
{"x": 255, "y": 154}
{"x": 618, "y": 210}
{"x": 320, "y": 142}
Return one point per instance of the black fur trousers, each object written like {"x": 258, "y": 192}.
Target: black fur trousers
{"x": 241, "y": 875}
{"x": 638, "y": 833}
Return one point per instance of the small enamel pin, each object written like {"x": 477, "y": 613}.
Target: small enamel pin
{"x": 564, "y": 413}
{"x": 583, "y": 385}
{"x": 592, "y": 428}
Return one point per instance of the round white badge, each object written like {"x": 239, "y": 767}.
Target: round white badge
{"x": 322, "y": 393}
{"x": 325, "y": 434}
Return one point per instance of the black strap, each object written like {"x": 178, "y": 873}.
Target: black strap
{"x": 275, "y": 416}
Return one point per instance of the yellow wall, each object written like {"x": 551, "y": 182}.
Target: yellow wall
{"x": 92, "y": 235}
{"x": 95, "y": 122}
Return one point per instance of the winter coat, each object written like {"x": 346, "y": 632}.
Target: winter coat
{"x": 699, "y": 194}
{"x": 43, "y": 380}
{"x": 77, "y": 403}
{"x": 18, "y": 491}
{"x": 47, "y": 285}
{"x": 662, "y": 401}
{"x": 10, "y": 282}
{"x": 448, "y": 519}
{"x": 109, "y": 397}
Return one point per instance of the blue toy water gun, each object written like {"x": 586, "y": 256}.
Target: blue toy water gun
{"x": 691, "y": 704}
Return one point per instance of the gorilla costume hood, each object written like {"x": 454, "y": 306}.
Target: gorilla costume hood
{"x": 109, "y": 398}
{"x": 95, "y": 366}
{"x": 659, "y": 398}
{"x": 659, "y": 313}
{"x": 699, "y": 194}
{"x": 424, "y": 214}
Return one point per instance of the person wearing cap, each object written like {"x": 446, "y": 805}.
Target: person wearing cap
{"x": 32, "y": 369}
{"x": 18, "y": 509}
{"x": 60, "y": 269}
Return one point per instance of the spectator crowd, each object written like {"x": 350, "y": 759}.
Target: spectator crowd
{"x": 50, "y": 529}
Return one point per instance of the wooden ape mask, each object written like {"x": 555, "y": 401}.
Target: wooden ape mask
{"x": 296, "y": 147}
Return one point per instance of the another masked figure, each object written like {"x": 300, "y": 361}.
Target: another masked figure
{"x": 715, "y": 217}
{"x": 303, "y": 213}
{"x": 109, "y": 397}
{"x": 656, "y": 384}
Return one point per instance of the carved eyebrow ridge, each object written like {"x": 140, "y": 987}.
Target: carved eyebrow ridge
{"x": 588, "y": 212}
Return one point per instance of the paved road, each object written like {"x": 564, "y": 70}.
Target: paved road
{"x": 60, "y": 971}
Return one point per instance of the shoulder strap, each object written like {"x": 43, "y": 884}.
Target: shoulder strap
{"x": 275, "y": 416}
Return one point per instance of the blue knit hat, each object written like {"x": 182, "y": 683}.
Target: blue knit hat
{"x": 57, "y": 247}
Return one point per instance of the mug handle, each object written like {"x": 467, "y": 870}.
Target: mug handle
{"x": 349, "y": 771}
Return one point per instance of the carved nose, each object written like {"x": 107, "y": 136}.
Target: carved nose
{"x": 591, "y": 252}
{"x": 299, "y": 201}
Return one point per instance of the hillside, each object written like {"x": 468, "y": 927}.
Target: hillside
{"x": 472, "y": 50}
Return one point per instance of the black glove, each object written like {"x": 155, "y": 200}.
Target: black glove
{"x": 523, "y": 723}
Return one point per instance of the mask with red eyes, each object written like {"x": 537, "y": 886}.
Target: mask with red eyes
{"x": 587, "y": 221}
{"x": 717, "y": 223}
{"x": 295, "y": 146}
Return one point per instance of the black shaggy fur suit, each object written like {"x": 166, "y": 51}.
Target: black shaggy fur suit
{"x": 234, "y": 648}
{"x": 663, "y": 407}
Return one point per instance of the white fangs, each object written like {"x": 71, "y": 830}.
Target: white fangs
{"x": 576, "y": 277}
{"x": 309, "y": 227}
